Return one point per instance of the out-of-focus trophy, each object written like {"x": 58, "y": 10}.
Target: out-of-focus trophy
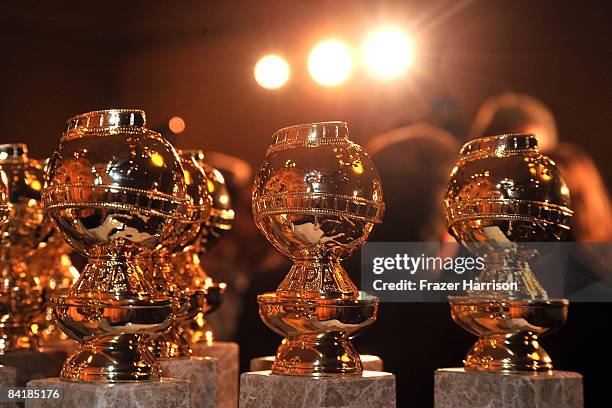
{"x": 503, "y": 192}
{"x": 22, "y": 297}
{"x": 189, "y": 261}
{"x": 8, "y": 375}
{"x": 316, "y": 199}
{"x": 115, "y": 192}
{"x": 189, "y": 265}
{"x": 172, "y": 348}
{"x": 52, "y": 266}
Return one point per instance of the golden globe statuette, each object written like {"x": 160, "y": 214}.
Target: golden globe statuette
{"x": 21, "y": 297}
{"x": 316, "y": 199}
{"x": 173, "y": 343}
{"x": 189, "y": 261}
{"x": 503, "y": 191}
{"x": 116, "y": 191}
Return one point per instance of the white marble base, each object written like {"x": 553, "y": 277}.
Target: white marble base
{"x": 165, "y": 393}
{"x": 202, "y": 374}
{"x": 227, "y": 354}
{"x": 457, "y": 388}
{"x": 32, "y": 365}
{"x": 369, "y": 362}
{"x": 8, "y": 378}
{"x": 262, "y": 389}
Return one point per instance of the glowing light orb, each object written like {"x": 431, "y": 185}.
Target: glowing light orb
{"x": 388, "y": 53}
{"x": 330, "y": 63}
{"x": 271, "y": 72}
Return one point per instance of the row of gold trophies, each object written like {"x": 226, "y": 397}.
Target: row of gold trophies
{"x": 140, "y": 212}
{"x": 143, "y": 214}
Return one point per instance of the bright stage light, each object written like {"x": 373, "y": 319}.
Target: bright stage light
{"x": 271, "y": 72}
{"x": 388, "y": 53}
{"x": 330, "y": 63}
{"x": 176, "y": 124}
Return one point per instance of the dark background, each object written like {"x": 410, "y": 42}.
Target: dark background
{"x": 195, "y": 59}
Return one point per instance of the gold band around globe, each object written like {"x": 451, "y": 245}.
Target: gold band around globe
{"x": 508, "y": 209}
{"x": 319, "y": 203}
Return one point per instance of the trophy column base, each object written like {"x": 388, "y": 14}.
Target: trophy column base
{"x": 457, "y": 388}
{"x": 8, "y": 378}
{"x": 31, "y": 365}
{"x": 368, "y": 361}
{"x": 227, "y": 355}
{"x": 202, "y": 374}
{"x": 165, "y": 393}
{"x": 370, "y": 389}
{"x": 113, "y": 359}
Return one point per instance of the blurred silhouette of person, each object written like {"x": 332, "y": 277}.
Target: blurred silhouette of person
{"x": 592, "y": 220}
{"x": 512, "y": 112}
{"x": 413, "y": 339}
{"x": 578, "y": 346}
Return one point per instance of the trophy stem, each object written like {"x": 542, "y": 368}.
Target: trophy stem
{"x": 120, "y": 358}
{"x": 319, "y": 354}
{"x": 120, "y": 277}
{"x": 320, "y": 278}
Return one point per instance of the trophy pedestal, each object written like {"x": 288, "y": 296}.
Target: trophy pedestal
{"x": 32, "y": 365}
{"x": 370, "y": 389}
{"x": 457, "y": 388}
{"x": 8, "y": 377}
{"x": 227, "y": 355}
{"x": 202, "y": 374}
{"x": 165, "y": 393}
{"x": 369, "y": 362}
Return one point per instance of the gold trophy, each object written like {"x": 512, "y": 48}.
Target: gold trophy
{"x": 316, "y": 199}
{"x": 115, "y": 192}
{"x": 503, "y": 191}
{"x": 189, "y": 261}
{"x": 21, "y": 297}
{"x": 173, "y": 343}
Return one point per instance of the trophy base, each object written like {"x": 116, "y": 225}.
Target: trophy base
{"x": 118, "y": 359}
{"x": 457, "y": 388}
{"x": 509, "y": 332}
{"x": 368, "y": 361}
{"x": 202, "y": 374}
{"x": 370, "y": 389}
{"x": 8, "y": 378}
{"x": 31, "y": 365}
{"x": 165, "y": 393}
{"x": 171, "y": 344}
{"x": 227, "y": 356}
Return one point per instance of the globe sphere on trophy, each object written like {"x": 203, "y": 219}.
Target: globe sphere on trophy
{"x": 189, "y": 262}
{"x": 21, "y": 298}
{"x": 316, "y": 199}
{"x": 173, "y": 343}
{"x": 503, "y": 192}
{"x": 115, "y": 192}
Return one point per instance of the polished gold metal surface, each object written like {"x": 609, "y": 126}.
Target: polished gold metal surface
{"x": 189, "y": 261}
{"x": 316, "y": 199}
{"x": 21, "y": 297}
{"x": 502, "y": 191}
{"x": 115, "y": 192}
{"x": 174, "y": 343}
{"x": 508, "y": 332}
